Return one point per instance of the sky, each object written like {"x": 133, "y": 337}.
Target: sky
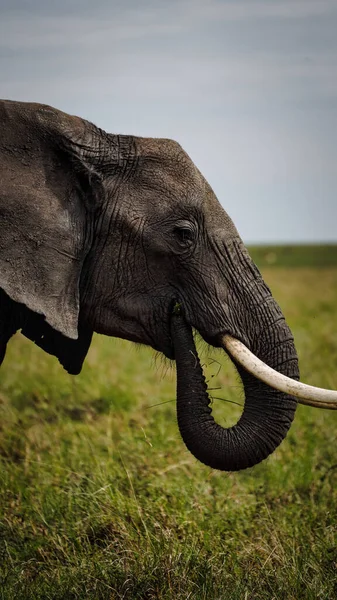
{"x": 247, "y": 87}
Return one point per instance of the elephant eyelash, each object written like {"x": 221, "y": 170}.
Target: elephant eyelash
{"x": 185, "y": 234}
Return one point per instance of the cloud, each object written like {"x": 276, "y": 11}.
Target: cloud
{"x": 36, "y": 24}
{"x": 263, "y": 9}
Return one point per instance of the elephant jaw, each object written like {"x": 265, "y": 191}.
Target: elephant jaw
{"x": 308, "y": 395}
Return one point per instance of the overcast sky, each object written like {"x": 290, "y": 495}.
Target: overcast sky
{"x": 249, "y": 89}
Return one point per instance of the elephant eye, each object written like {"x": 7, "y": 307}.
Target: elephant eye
{"x": 185, "y": 234}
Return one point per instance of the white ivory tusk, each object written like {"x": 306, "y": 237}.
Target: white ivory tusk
{"x": 307, "y": 394}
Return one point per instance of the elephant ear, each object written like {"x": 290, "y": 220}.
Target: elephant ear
{"x": 44, "y": 226}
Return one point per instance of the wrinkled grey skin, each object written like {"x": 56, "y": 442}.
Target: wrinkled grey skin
{"x": 102, "y": 232}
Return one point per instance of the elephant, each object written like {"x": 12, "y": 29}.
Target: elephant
{"x": 122, "y": 235}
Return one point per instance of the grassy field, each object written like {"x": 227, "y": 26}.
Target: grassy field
{"x": 100, "y": 499}
{"x": 319, "y": 255}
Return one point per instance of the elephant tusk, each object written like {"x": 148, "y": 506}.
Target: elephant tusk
{"x": 307, "y": 394}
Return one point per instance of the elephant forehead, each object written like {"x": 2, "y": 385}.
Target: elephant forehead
{"x": 167, "y": 160}
{"x": 158, "y": 147}
{"x": 167, "y": 179}
{"x": 161, "y": 193}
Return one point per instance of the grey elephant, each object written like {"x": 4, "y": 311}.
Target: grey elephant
{"x": 122, "y": 235}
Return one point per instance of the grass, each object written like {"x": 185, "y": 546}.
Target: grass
{"x": 319, "y": 255}
{"x": 100, "y": 499}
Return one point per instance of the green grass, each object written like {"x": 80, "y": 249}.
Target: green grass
{"x": 319, "y": 255}
{"x": 100, "y": 499}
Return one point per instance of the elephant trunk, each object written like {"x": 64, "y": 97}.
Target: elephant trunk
{"x": 267, "y": 413}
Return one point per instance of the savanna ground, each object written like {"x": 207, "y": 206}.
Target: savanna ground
{"x": 100, "y": 499}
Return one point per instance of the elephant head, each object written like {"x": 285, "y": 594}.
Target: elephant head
{"x": 107, "y": 233}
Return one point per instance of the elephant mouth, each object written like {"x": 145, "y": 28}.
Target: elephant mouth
{"x": 167, "y": 344}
